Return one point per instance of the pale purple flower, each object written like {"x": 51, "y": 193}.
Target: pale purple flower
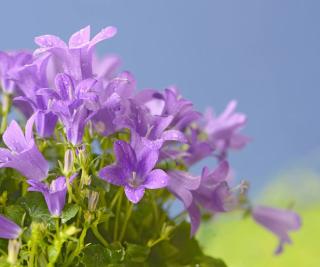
{"x": 76, "y": 57}
{"x": 278, "y": 221}
{"x": 210, "y": 191}
{"x": 72, "y": 103}
{"x": 134, "y": 169}
{"x": 10, "y": 62}
{"x": 182, "y": 184}
{"x": 224, "y": 130}
{"x": 171, "y": 103}
{"x": 54, "y": 194}
{"x": 197, "y": 149}
{"x": 31, "y": 78}
{"x": 8, "y": 229}
{"x": 22, "y": 153}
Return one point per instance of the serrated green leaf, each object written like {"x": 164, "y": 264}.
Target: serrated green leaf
{"x": 136, "y": 253}
{"x": 69, "y": 212}
{"x": 36, "y": 207}
{"x": 15, "y": 213}
{"x": 95, "y": 255}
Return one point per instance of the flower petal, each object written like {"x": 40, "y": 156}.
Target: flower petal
{"x": 104, "y": 34}
{"x": 80, "y": 38}
{"x": 14, "y": 138}
{"x": 113, "y": 174}
{"x": 134, "y": 194}
{"x": 156, "y": 179}
{"x": 126, "y": 157}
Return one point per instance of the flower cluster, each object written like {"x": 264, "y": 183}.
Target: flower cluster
{"x": 97, "y": 136}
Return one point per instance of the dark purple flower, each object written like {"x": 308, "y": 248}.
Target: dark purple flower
{"x": 278, "y": 221}
{"x": 134, "y": 170}
{"x": 23, "y": 154}
{"x": 54, "y": 194}
{"x": 8, "y": 229}
{"x": 223, "y": 130}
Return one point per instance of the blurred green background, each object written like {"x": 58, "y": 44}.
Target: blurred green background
{"x": 243, "y": 243}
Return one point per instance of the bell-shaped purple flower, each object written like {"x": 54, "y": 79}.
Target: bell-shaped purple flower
{"x": 134, "y": 170}
{"x": 54, "y": 194}
{"x": 278, "y": 221}
{"x": 76, "y": 57}
{"x": 223, "y": 130}
{"x": 8, "y": 229}
{"x": 23, "y": 154}
{"x": 11, "y": 62}
{"x": 170, "y": 103}
{"x": 210, "y": 191}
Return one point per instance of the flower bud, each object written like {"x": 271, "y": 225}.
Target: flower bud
{"x": 93, "y": 198}
{"x": 68, "y": 162}
{"x": 13, "y": 251}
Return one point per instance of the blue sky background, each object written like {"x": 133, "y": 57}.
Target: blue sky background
{"x": 265, "y": 54}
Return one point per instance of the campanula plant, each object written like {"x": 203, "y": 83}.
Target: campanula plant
{"x": 91, "y": 170}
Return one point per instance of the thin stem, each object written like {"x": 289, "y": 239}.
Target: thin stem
{"x": 6, "y": 104}
{"x": 126, "y": 220}
{"x": 97, "y": 234}
{"x": 116, "y": 226}
{"x": 80, "y": 246}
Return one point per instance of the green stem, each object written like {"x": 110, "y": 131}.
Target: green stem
{"x": 80, "y": 246}
{"x": 116, "y": 226}
{"x": 97, "y": 234}
{"x": 126, "y": 220}
{"x": 6, "y": 105}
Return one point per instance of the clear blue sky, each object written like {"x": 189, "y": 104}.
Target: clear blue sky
{"x": 265, "y": 54}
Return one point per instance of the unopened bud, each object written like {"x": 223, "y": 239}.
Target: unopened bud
{"x": 13, "y": 251}
{"x": 93, "y": 199}
{"x": 68, "y": 162}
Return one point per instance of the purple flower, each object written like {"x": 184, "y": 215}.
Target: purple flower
{"x": 210, "y": 191}
{"x": 278, "y": 221}
{"x": 31, "y": 78}
{"x": 23, "y": 154}
{"x": 170, "y": 103}
{"x": 8, "y": 229}
{"x": 10, "y": 62}
{"x": 198, "y": 149}
{"x": 76, "y": 57}
{"x": 134, "y": 170}
{"x": 223, "y": 131}
{"x": 54, "y": 194}
{"x": 182, "y": 185}
{"x": 73, "y": 104}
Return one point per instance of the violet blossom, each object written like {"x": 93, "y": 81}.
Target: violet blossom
{"x": 10, "y": 62}
{"x": 76, "y": 57}
{"x": 134, "y": 170}
{"x": 22, "y": 153}
{"x": 278, "y": 221}
{"x": 9, "y": 229}
{"x": 224, "y": 130}
{"x": 54, "y": 194}
{"x": 210, "y": 191}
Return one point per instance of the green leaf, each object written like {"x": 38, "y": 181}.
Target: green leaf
{"x": 95, "y": 256}
{"x": 36, "y": 207}
{"x": 69, "y": 212}
{"x": 15, "y": 213}
{"x": 136, "y": 253}
{"x": 206, "y": 261}
{"x": 116, "y": 253}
